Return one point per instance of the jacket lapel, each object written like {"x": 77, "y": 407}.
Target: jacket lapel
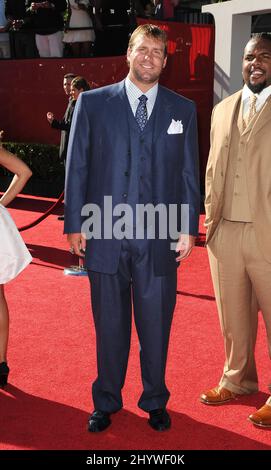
{"x": 233, "y": 108}
{"x": 163, "y": 110}
{"x": 230, "y": 109}
{"x": 262, "y": 118}
{"x": 116, "y": 109}
{"x": 240, "y": 119}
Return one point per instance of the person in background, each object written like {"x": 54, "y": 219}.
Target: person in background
{"x": 79, "y": 33}
{"x": 14, "y": 255}
{"x": 22, "y": 35}
{"x": 78, "y": 85}
{"x": 238, "y": 221}
{"x": 164, "y": 9}
{"x": 63, "y": 125}
{"x": 47, "y": 21}
{"x": 3, "y": 19}
{"x": 4, "y": 36}
{"x": 112, "y": 26}
{"x": 137, "y": 142}
{"x": 73, "y": 86}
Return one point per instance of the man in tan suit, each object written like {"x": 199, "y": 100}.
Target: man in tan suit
{"x": 238, "y": 221}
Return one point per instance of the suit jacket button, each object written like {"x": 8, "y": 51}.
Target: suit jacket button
{"x": 124, "y": 195}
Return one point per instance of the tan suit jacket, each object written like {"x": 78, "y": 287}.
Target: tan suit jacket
{"x": 257, "y": 141}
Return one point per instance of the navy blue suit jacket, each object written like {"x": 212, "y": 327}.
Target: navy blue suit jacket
{"x": 97, "y": 166}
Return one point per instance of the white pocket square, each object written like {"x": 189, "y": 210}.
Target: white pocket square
{"x": 176, "y": 127}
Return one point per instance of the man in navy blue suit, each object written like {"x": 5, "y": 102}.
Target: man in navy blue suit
{"x": 132, "y": 145}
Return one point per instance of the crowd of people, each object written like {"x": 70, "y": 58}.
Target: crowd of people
{"x": 73, "y": 28}
{"x": 149, "y": 156}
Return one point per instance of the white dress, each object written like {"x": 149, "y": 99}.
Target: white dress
{"x": 79, "y": 19}
{"x": 14, "y": 256}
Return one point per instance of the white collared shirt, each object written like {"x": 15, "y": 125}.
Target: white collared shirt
{"x": 133, "y": 93}
{"x": 261, "y": 98}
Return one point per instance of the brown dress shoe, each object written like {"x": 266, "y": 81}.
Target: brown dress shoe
{"x": 262, "y": 417}
{"x": 217, "y": 396}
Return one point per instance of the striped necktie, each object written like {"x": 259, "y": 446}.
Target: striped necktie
{"x": 251, "y": 110}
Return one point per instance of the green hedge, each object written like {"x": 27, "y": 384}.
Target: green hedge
{"x": 48, "y": 171}
{"x": 41, "y": 158}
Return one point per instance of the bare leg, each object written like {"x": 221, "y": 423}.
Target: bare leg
{"x": 4, "y": 326}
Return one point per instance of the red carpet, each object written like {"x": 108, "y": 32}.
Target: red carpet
{"x": 52, "y": 360}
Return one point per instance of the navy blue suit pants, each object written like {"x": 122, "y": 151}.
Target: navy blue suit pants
{"x": 153, "y": 299}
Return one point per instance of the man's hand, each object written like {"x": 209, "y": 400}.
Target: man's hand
{"x": 50, "y": 117}
{"x": 184, "y": 246}
{"x": 77, "y": 243}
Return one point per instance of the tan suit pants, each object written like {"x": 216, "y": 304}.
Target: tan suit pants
{"x": 242, "y": 283}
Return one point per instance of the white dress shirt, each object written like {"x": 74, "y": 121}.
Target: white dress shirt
{"x": 261, "y": 98}
{"x": 133, "y": 93}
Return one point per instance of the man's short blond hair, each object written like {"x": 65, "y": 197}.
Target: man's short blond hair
{"x": 151, "y": 31}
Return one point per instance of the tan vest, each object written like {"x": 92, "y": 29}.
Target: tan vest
{"x": 236, "y": 202}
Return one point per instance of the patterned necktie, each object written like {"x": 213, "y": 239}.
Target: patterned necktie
{"x": 251, "y": 111}
{"x": 141, "y": 114}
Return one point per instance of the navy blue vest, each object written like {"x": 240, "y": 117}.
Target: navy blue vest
{"x": 140, "y": 152}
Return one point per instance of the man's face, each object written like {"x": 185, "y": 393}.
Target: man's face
{"x": 257, "y": 64}
{"x": 146, "y": 60}
{"x": 67, "y": 85}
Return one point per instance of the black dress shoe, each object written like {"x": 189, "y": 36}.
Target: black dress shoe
{"x": 159, "y": 419}
{"x": 4, "y": 371}
{"x": 60, "y": 217}
{"x": 98, "y": 421}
